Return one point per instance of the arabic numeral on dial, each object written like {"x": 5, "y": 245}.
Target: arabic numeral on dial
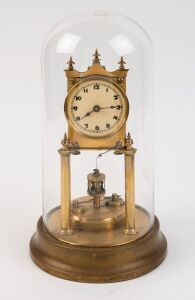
{"x": 85, "y": 90}
{"x": 119, "y": 107}
{"x": 75, "y": 107}
{"x": 86, "y": 125}
{"x": 116, "y": 97}
{"x": 77, "y": 98}
{"x": 97, "y": 127}
{"x": 115, "y": 118}
{"x": 78, "y": 118}
{"x": 96, "y": 87}
{"x": 107, "y": 125}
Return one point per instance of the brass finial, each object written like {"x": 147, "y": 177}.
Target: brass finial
{"x": 96, "y": 59}
{"x": 69, "y": 146}
{"x": 65, "y": 142}
{"x": 122, "y": 64}
{"x": 119, "y": 148}
{"x": 129, "y": 142}
{"x": 70, "y": 64}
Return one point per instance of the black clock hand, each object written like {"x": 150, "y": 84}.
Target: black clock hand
{"x": 87, "y": 114}
{"x": 97, "y": 108}
{"x": 108, "y": 107}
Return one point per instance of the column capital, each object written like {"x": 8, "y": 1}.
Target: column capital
{"x": 68, "y": 147}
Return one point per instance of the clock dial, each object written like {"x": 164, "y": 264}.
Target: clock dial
{"x": 96, "y": 107}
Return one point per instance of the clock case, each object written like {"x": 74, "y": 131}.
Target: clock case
{"x": 97, "y": 71}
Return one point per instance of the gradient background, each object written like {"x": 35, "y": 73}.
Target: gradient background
{"x": 23, "y": 26}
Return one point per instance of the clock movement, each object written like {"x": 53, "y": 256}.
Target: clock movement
{"x": 98, "y": 223}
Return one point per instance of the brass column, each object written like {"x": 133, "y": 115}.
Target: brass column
{"x": 65, "y": 212}
{"x": 129, "y": 153}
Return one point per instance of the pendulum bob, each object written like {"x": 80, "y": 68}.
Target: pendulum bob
{"x": 96, "y": 186}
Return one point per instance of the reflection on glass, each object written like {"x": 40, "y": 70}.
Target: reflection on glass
{"x": 67, "y": 43}
{"x": 121, "y": 45}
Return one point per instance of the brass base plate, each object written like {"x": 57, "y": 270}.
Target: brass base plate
{"x": 98, "y": 264}
{"x": 105, "y": 218}
{"x": 91, "y": 218}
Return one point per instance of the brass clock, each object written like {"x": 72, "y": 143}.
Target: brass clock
{"x": 96, "y": 106}
{"x": 98, "y": 236}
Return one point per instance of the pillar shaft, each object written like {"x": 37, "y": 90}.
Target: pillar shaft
{"x": 65, "y": 213}
{"x": 129, "y": 193}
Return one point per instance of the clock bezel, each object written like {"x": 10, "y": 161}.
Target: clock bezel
{"x": 90, "y": 78}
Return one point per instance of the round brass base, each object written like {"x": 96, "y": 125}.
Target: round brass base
{"x": 96, "y": 264}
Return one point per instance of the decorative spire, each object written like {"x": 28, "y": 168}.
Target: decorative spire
{"x": 96, "y": 59}
{"x": 69, "y": 146}
{"x": 70, "y": 64}
{"x": 122, "y": 64}
{"x": 129, "y": 142}
{"x": 65, "y": 142}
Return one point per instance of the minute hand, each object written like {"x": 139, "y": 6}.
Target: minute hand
{"x": 87, "y": 114}
{"x": 109, "y": 107}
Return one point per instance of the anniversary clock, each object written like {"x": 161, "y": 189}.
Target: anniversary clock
{"x": 98, "y": 223}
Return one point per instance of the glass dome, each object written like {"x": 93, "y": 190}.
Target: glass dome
{"x": 122, "y": 46}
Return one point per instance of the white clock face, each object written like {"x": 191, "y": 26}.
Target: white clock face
{"x": 96, "y": 107}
